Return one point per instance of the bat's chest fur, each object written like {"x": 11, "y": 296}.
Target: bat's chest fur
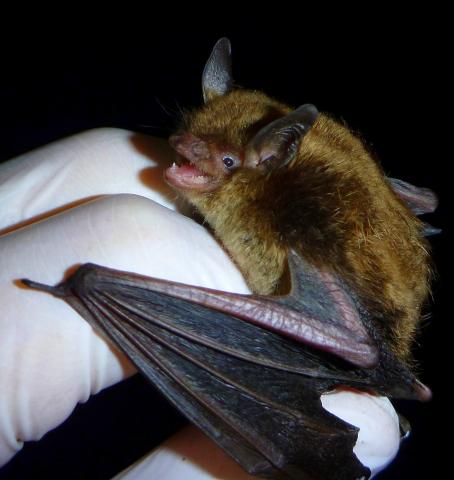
{"x": 254, "y": 246}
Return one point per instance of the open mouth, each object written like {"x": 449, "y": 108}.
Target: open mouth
{"x": 184, "y": 174}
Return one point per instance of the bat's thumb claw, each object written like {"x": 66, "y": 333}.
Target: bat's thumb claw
{"x": 54, "y": 290}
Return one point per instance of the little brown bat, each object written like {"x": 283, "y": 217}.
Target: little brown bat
{"x": 336, "y": 258}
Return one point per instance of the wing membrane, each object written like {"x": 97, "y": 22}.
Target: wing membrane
{"x": 254, "y": 391}
{"x": 249, "y": 389}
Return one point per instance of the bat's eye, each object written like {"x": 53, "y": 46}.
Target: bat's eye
{"x": 229, "y": 162}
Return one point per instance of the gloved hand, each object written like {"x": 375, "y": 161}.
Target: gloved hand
{"x": 50, "y": 358}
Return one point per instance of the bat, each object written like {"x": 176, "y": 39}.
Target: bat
{"x": 338, "y": 264}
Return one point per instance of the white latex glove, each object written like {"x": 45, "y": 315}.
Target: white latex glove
{"x": 50, "y": 358}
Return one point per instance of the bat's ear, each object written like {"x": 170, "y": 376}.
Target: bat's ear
{"x": 419, "y": 200}
{"x": 217, "y": 74}
{"x": 276, "y": 144}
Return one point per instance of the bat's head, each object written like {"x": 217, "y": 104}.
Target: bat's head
{"x": 235, "y": 130}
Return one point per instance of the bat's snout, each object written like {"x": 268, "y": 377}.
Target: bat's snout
{"x": 189, "y": 146}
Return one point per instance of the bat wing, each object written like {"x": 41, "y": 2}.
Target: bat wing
{"x": 419, "y": 200}
{"x": 253, "y": 391}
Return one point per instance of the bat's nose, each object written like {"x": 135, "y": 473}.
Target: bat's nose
{"x": 189, "y": 146}
{"x": 175, "y": 140}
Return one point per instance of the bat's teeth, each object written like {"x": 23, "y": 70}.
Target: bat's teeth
{"x": 200, "y": 179}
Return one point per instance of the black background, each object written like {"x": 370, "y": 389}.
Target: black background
{"x": 383, "y": 75}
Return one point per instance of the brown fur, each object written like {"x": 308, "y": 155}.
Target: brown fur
{"x": 332, "y": 203}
